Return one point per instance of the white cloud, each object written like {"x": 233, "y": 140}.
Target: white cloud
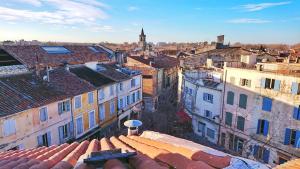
{"x": 105, "y": 28}
{"x": 261, "y": 6}
{"x": 248, "y": 21}
{"x": 66, "y": 12}
{"x": 133, "y": 8}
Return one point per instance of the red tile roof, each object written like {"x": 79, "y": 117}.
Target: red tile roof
{"x": 151, "y": 154}
{"x": 29, "y": 54}
{"x": 161, "y": 61}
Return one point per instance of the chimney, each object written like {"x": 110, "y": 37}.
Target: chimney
{"x": 133, "y": 127}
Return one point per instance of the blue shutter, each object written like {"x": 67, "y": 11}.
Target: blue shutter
{"x": 71, "y": 128}
{"x": 263, "y": 83}
{"x": 40, "y": 140}
{"x": 255, "y": 150}
{"x": 61, "y": 134}
{"x": 287, "y": 136}
{"x": 266, "y": 128}
{"x": 267, "y": 104}
{"x": 294, "y": 88}
{"x": 68, "y": 105}
{"x": 266, "y": 156}
{"x": 49, "y": 138}
{"x": 60, "y": 108}
{"x": 277, "y": 85}
{"x": 296, "y": 113}
{"x": 204, "y": 96}
{"x": 297, "y": 141}
{"x": 258, "y": 126}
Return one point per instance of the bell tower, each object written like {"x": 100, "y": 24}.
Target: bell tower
{"x": 142, "y": 40}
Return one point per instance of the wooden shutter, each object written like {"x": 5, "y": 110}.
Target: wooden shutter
{"x": 287, "y": 136}
{"x": 255, "y": 150}
{"x": 266, "y": 156}
{"x": 294, "y": 88}
{"x": 40, "y": 140}
{"x": 49, "y": 138}
{"x": 243, "y": 101}
{"x": 267, "y": 104}
{"x": 263, "y": 83}
{"x": 61, "y": 134}
{"x": 297, "y": 141}
{"x": 266, "y": 128}
{"x": 277, "y": 85}
{"x": 60, "y": 108}
{"x": 296, "y": 113}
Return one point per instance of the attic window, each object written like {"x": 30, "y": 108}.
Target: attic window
{"x": 94, "y": 49}
{"x": 56, "y": 50}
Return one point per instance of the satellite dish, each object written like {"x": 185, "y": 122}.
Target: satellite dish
{"x": 132, "y": 123}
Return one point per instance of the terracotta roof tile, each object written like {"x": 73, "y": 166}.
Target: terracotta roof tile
{"x": 151, "y": 154}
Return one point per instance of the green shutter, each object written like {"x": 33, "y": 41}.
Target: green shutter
{"x": 243, "y": 101}
{"x": 228, "y": 119}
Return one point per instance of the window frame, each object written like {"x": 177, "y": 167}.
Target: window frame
{"x": 46, "y": 115}
{"x": 79, "y": 96}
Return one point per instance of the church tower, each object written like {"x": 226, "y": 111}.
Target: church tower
{"x": 142, "y": 40}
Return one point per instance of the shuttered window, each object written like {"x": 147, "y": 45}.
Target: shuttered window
{"x": 277, "y": 85}
{"x": 261, "y": 153}
{"x": 240, "y": 123}
{"x": 230, "y": 97}
{"x": 43, "y": 114}
{"x": 92, "y": 120}
{"x": 64, "y": 107}
{"x": 64, "y": 133}
{"x": 91, "y": 97}
{"x": 228, "y": 119}
{"x": 77, "y": 102}
{"x": 101, "y": 112}
{"x": 296, "y": 113}
{"x": 267, "y": 104}
{"x": 210, "y": 133}
{"x": 9, "y": 127}
{"x": 262, "y": 127}
{"x": 295, "y": 88}
{"x": 112, "y": 107}
{"x": 292, "y": 137}
{"x": 243, "y": 101}
{"x": 208, "y": 97}
{"x": 79, "y": 125}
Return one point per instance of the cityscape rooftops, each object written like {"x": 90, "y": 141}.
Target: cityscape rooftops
{"x": 160, "y": 61}
{"x": 155, "y": 151}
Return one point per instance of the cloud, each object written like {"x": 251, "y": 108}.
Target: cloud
{"x": 65, "y": 12}
{"x": 248, "y": 21}
{"x": 261, "y": 6}
{"x": 133, "y": 8}
{"x": 105, "y": 28}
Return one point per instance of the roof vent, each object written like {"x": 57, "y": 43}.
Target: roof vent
{"x": 133, "y": 126}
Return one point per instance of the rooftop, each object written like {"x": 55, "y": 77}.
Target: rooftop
{"x": 154, "y": 151}
{"x": 91, "y": 76}
{"x": 161, "y": 61}
{"x": 30, "y": 55}
{"x": 111, "y": 72}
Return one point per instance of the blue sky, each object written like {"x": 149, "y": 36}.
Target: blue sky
{"x": 246, "y": 21}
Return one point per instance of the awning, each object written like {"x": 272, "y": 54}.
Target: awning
{"x": 183, "y": 116}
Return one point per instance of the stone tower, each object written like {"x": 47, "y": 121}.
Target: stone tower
{"x": 142, "y": 40}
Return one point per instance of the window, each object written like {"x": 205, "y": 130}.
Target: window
{"x": 101, "y": 94}
{"x": 230, "y": 97}
{"x": 267, "y": 104}
{"x": 92, "y": 120}
{"x": 228, "y": 119}
{"x": 201, "y": 127}
{"x": 79, "y": 125}
{"x": 232, "y": 80}
{"x": 240, "y": 123}
{"x": 64, "y": 107}
{"x": 295, "y": 88}
{"x": 56, "y": 49}
{"x": 91, "y": 97}
{"x": 44, "y": 139}
{"x": 111, "y": 90}
{"x": 245, "y": 82}
{"x": 168, "y": 83}
{"x": 267, "y": 83}
{"x": 262, "y": 127}
{"x": 133, "y": 83}
{"x": 190, "y": 91}
{"x": 112, "y": 107}
{"x": 121, "y": 86}
{"x": 138, "y": 94}
{"x": 208, "y": 114}
{"x": 64, "y": 132}
{"x": 238, "y": 144}
{"x": 120, "y": 105}
{"x": 210, "y": 133}
{"x": 243, "y": 101}
{"x": 223, "y": 139}
{"x": 77, "y": 102}
{"x": 101, "y": 112}
{"x": 261, "y": 153}
{"x": 208, "y": 97}
{"x": 43, "y": 114}
{"x": 128, "y": 100}
{"x": 292, "y": 137}
{"x": 296, "y": 113}
{"x": 9, "y": 127}
{"x": 133, "y": 98}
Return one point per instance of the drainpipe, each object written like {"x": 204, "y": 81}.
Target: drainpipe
{"x": 222, "y": 108}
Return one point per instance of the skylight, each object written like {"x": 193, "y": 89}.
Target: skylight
{"x": 94, "y": 49}
{"x": 56, "y": 49}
